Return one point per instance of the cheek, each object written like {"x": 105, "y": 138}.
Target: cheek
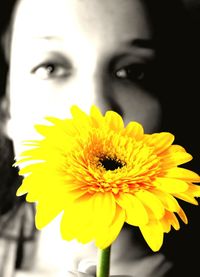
{"x": 139, "y": 105}
{"x": 31, "y": 100}
{"x": 55, "y": 96}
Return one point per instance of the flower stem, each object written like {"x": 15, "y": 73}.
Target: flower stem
{"x": 103, "y": 265}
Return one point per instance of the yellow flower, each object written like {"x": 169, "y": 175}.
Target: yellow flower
{"x": 101, "y": 174}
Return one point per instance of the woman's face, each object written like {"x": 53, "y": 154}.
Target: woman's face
{"x": 81, "y": 52}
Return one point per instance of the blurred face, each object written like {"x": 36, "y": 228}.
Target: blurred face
{"x": 81, "y": 52}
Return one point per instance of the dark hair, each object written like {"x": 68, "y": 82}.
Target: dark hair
{"x": 177, "y": 87}
{"x": 6, "y": 10}
{"x": 10, "y": 205}
{"x": 174, "y": 83}
{"x": 10, "y": 180}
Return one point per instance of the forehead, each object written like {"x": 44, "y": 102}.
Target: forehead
{"x": 70, "y": 17}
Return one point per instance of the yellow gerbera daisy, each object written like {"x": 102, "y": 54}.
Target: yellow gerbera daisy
{"x": 101, "y": 174}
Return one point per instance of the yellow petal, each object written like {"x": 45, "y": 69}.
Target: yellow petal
{"x": 170, "y": 220}
{"x": 70, "y": 229}
{"x": 114, "y": 121}
{"x": 76, "y": 112}
{"x": 153, "y": 234}
{"x": 33, "y": 195}
{"x": 44, "y": 130}
{"x": 160, "y": 141}
{"x": 169, "y": 202}
{"x": 28, "y": 187}
{"x": 46, "y": 212}
{"x": 186, "y": 197}
{"x": 194, "y": 190}
{"x": 80, "y": 120}
{"x": 110, "y": 234}
{"x": 183, "y": 174}
{"x": 165, "y": 223}
{"x": 134, "y": 130}
{"x": 36, "y": 167}
{"x": 183, "y": 216}
{"x": 96, "y": 116}
{"x": 174, "y": 156}
{"x": 22, "y": 189}
{"x": 104, "y": 208}
{"x": 170, "y": 185}
{"x": 174, "y": 221}
{"x": 136, "y": 214}
{"x": 152, "y": 202}
{"x": 77, "y": 219}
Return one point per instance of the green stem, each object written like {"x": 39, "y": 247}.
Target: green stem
{"x": 103, "y": 263}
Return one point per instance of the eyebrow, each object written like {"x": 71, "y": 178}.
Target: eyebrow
{"x": 143, "y": 43}
{"x": 48, "y": 38}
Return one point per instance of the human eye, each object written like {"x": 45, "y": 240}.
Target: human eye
{"x": 52, "y": 70}
{"x": 137, "y": 73}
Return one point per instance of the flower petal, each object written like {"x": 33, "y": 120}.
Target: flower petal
{"x": 160, "y": 141}
{"x": 186, "y": 197}
{"x": 165, "y": 223}
{"x": 169, "y": 220}
{"x": 102, "y": 203}
{"x": 114, "y": 121}
{"x": 183, "y": 174}
{"x": 76, "y": 220}
{"x": 111, "y": 233}
{"x": 175, "y": 155}
{"x": 152, "y": 202}
{"x": 183, "y": 216}
{"x": 96, "y": 116}
{"x": 194, "y": 190}
{"x": 168, "y": 201}
{"x": 134, "y": 130}
{"x": 71, "y": 230}
{"x": 174, "y": 221}
{"x": 136, "y": 214}
{"x": 153, "y": 234}
{"x": 171, "y": 185}
{"x": 46, "y": 212}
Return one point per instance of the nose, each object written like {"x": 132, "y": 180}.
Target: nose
{"x": 97, "y": 89}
